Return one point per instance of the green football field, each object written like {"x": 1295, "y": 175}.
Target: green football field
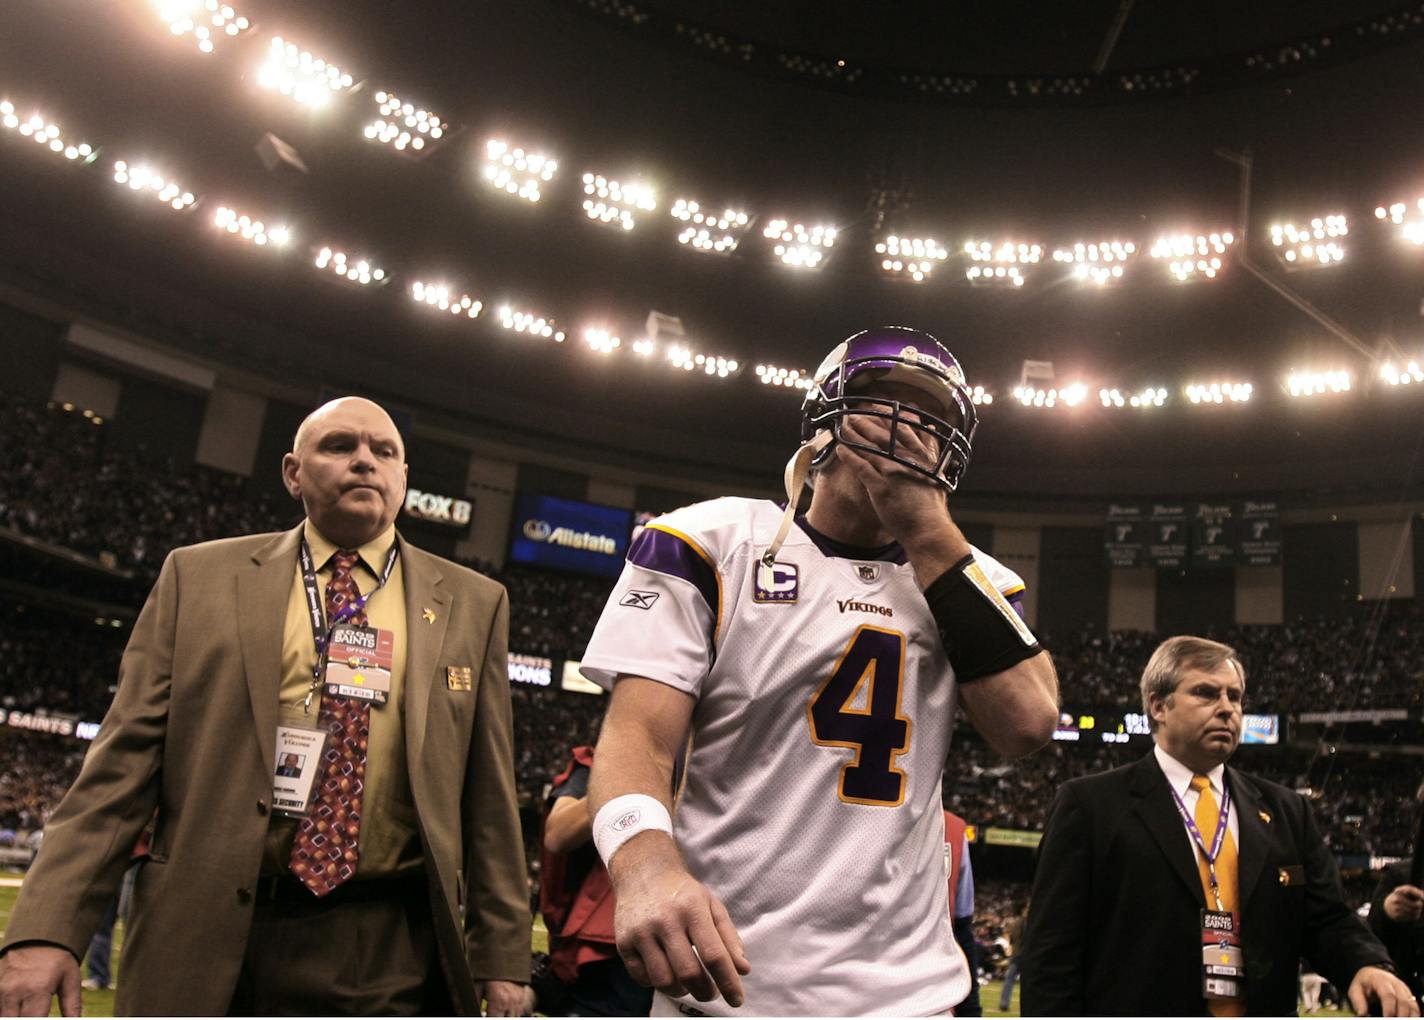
{"x": 102, "y": 1003}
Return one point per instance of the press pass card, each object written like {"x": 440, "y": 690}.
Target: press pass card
{"x": 358, "y": 663}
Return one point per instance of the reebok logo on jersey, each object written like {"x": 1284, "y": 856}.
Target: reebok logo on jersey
{"x": 852, "y": 606}
{"x": 636, "y": 599}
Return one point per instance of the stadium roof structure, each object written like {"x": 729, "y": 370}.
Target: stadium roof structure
{"x": 616, "y": 88}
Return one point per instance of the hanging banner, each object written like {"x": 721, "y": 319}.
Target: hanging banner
{"x": 1214, "y": 536}
{"x": 1167, "y": 537}
{"x": 1125, "y": 538}
{"x": 1259, "y": 534}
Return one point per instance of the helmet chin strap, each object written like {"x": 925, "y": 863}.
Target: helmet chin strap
{"x": 794, "y": 478}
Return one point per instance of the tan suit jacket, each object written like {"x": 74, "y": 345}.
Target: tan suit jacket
{"x": 192, "y": 731}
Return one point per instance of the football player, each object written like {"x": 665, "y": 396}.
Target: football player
{"x": 809, "y": 670}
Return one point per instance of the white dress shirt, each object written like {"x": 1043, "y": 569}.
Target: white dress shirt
{"x": 1179, "y": 777}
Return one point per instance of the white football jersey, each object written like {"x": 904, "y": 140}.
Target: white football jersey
{"x": 811, "y": 800}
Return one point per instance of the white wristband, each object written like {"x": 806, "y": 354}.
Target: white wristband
{"x": 624, "y": 817}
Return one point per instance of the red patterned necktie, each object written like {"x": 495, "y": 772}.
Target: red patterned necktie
{"x": 326, "y": 847}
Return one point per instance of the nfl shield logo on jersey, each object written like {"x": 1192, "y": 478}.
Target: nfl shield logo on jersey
{"x": 775, "y": 582}
{"x": 868, "y": 572}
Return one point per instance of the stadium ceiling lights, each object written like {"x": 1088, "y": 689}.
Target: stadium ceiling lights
{"x": 1097, "y": 262}
{"x": 601, "y": 341}
{"x": 230, "y": 221}
{"x": 998, "y": 264}
{"x": 529, "y": 323}
{"x": 297, "y": 74}
{"x": 799, "y": 246}
{"x": 440, "y": 295}
{"x": 42, "y": 132}
{"x": 361, "y": 271}
{"x": 1410, "y": 221}
{"x": 143, "y": 179}
{"x": 1218, "y": 393}
{"x": 1312, "y": 245}
{"x": 682, "y": 357}
{"x": 1406, "y": 376}
{"x": 208, "y": 21}
{"x": 717, "y": 233}
{"x": 1068, "y": 396}
{"x": 791, "y": 378}
{"x": 1152, "y": 396}
{"x": 1311, "y": 384}
{"x": 515, "y": 171}
{"x": 613, "y": 201}
{"x": 912, "y": 258}
{"x": 1193, "y": 256}
{"x": 979, "y": 395}
{"x": 644, "y": 347}
{"x": 406, "y": 128}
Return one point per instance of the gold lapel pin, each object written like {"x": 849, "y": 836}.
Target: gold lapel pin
{"x": 1283, "y": 876}
{"x": 429, "y": 614}
{"x": 1265, "y": 816}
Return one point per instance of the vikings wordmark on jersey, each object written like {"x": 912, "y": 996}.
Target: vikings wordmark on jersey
{"x": 811, "y": 804}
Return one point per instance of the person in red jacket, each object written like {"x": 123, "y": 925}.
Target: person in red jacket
{"x": 576, "y": 901}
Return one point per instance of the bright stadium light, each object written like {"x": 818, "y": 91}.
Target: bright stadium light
{"x": 208, "y": 22}
{"x": 912, "y": 258}
{"x": 706, "y": 231}
{"x": 685, "y": 358}
{"x": 529, "y": 323}
{"x": 1068, "y": 396}
{"x": 1218, "y": 392}
{"x": 1193, "y": 256}
{"x": 443, "y": 297}
{"x": 644, "y": 347}
{"x": 297, "y": 74}
{"x": 360, "y": 271}
{"x": 999, "y": 264}
{"x": 1152, "y": 396}
{"x": 1098, "y": 262}
{"x": 230, "y": 221}
{"x": 46, "y": 134}
{"x": 142, "y": 179}
{"x": 611, "y": 201}
{"x": 1315, "y": 244}
{"x": 1408, "y": 218}
{"x": 797, "y": 245}
{"x": 1310, "y": 384}
{"x": 979, "y": 395}
{"x": 601, "y": 341}
{"x": 1406, "y": 376}
{"x": 405, "y": 127}
{"x": 791, "y": 378}
{"x": 515, "y": 171}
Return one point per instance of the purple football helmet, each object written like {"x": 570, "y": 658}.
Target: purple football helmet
{"x": 895, "y": 354}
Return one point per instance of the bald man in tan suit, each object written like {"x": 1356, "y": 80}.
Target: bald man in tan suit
{"x": 328, "y": 840}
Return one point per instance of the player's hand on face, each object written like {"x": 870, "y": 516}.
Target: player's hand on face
{"x": 907, "y": 502}
{"x": 1404, "y": 904}
{"x": 675, "y": 936}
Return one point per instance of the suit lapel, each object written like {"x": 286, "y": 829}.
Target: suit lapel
{"x": 1255, "y": 835}
{"x": 424, "y": 590}
{"x": 1152, "y": 800}
{"x": 263, "y": 590}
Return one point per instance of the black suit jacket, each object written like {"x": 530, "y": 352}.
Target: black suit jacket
{"x": 1115, "y": 928}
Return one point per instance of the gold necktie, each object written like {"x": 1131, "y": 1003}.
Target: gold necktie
{"x": 1208, "y": 814}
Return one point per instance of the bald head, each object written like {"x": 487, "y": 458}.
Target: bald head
{"x": 336, "y": 409}
{"x": 347, "y": 466}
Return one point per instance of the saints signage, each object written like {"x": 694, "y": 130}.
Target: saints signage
{"x": 437, "y": 509}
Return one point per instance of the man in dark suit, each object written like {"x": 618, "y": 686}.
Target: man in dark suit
{"x": 1126, "y": 887}
{"x": 387, "y": 876}
{"x": 1397, "y": 918}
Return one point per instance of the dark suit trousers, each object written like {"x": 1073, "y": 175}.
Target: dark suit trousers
{"x": 344, "y": 956}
